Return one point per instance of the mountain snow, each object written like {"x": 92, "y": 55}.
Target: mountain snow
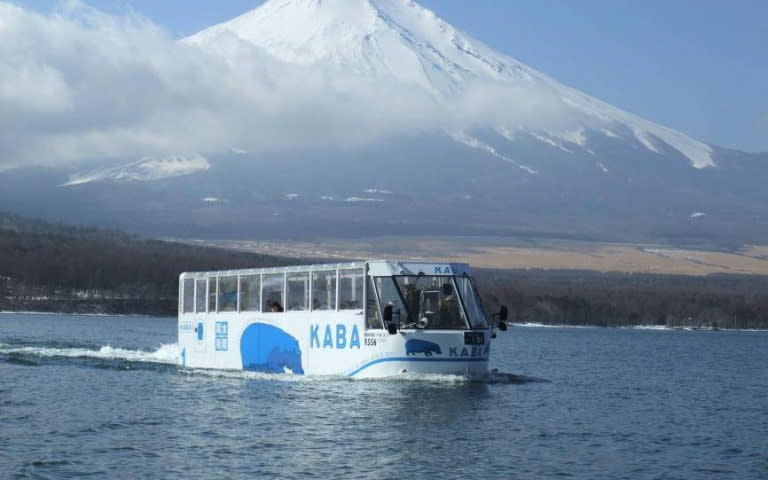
{"x": 146, "y": 169}
{"x": 402, "y": 41}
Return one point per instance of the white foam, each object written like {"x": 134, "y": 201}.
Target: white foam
{"x": 290, "y": 377}
{"x": 166, "y": 354}
{"x": 170, "y": 354}
{"x": 541, "y": 325}
{"x": 246, "y": 375}
{"x": 423, "y": 377}
{"x": 363, "y": 200}
{"x": 66, "y": 314}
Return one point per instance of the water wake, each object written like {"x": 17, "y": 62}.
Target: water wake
{"x": 492, "y": 377}
{"x": 246, "y": 375}
{"x": 170, "y": 354}
{"x": 434, "y": 378}
{"x": 166, "y": 354}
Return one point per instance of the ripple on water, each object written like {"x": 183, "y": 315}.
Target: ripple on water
{"x": 583, "y": 403}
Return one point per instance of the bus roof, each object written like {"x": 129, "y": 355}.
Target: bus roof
{"x": 378, "y": 268}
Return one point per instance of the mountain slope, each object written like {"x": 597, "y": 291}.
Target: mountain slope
{"x": 391, "y": 122}
{"x": 401, "y": 40}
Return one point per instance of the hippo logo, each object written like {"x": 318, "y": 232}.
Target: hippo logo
{"x": 413, "y": 347}
{"x": 265, "y": 348}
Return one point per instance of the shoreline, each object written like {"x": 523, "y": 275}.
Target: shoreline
{"x": 661, "y": 328}
{"x": 511, "y": 324}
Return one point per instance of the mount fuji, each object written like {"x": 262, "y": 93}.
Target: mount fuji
{"x": 401, "y": 40}
{"x": 504, "y": 150}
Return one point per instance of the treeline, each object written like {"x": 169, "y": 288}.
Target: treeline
{"x": 59, "y": 268}
{"x": 619, "y": 299}
{"x": 50, "y": 267}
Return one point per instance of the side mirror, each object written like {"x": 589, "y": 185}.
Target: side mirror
{"x": 392, "y": 328}
{"x": 503, "y": 313}
{"x": 447, "y": 289}
{"x": 387, "y": 313}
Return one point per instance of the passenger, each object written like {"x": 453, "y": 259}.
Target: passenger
{"x": 276, "y": 307}
{"x": 449, "y": 313}
{"x": 412, "y": 299}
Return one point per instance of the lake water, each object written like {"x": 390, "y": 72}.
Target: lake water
{"x": 102, "y": 397}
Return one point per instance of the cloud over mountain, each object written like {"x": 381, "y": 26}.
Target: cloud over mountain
{"x": 81, "y": 86}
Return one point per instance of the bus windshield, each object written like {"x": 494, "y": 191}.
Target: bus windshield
{"x": 432, "y": 300}
{"x": 472, "y": 301}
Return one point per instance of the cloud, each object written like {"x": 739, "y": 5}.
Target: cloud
{"x": 81, "y": 87}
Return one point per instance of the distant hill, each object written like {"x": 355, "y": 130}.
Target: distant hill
{"x": 572, "y": 297}
{"x": 62, "y": 268}
{"x": 53, "y": 267}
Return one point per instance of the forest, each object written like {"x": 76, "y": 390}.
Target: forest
{"x": 554, "y": 297}
{"x": 60, "y": 268}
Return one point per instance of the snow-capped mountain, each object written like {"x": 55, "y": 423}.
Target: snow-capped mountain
{"x": 503, "y": 149}
{"x": 401, "y": 40}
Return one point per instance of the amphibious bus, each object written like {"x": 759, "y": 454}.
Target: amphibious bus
{"x": 366, "y": 320}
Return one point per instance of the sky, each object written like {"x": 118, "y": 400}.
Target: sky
{"x": 698, "y": 66}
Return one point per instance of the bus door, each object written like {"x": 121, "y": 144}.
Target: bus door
{"x": 201, "y": 311}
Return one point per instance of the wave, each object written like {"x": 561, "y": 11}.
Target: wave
{"x": 424, "y": 378}
{"x": 166, "y": 354}
{"x": 290, "y": 377}
{"x": 692, "y": 329}
{"x": 542, "y": 325}
{"x": 70, "y": 314}
{"x": 170, "y": 354}
{"x": 492, "y": 378}
{"x": 247, "y": 375}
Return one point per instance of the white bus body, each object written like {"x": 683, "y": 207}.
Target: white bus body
{"x": 364, "y": 320}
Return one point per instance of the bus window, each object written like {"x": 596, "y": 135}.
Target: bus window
{"x": 472, "y": 302}
{"x": 250, "y": 293}
{"x": 228, "y": 294}
{"x": 200, "y": 296}
{"x": 211, "y": 294}
{"x": 272, "y": 293}
{"x": 373, "y": 319}
{"x": 324, "y": 290}
{"x": 188, "y": 304}
{"x": 389, "y": 297}
{"x": 433, "y": 299}
{"x": 350, "y": 290}
{"x": 297, "y": 291}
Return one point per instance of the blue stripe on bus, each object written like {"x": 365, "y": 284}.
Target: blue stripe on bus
{"x": 420, "y": 359}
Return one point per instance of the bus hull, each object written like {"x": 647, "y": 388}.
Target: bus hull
{"x": 327, "y": 343}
